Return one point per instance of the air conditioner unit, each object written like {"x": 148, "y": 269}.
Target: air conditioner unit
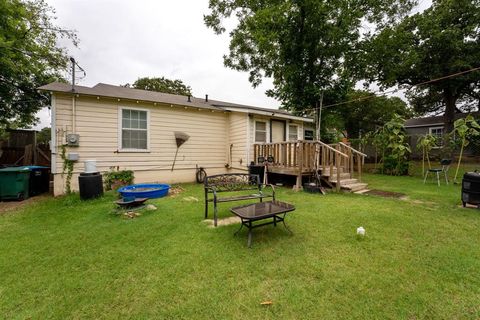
{"x": 73, "y": 139}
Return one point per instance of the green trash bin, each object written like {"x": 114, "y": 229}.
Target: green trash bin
{"x": 14, "y": 183}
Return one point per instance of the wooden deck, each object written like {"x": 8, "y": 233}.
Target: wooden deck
{"x": 303, "y": 158}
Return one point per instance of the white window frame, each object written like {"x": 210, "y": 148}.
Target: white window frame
{"x": 255, "y": 131}
{"x": 304, "y": 135}
{"x": 120, "y": 127}
{"x": 439, "y": 142}
{"x": 296, "y": 129}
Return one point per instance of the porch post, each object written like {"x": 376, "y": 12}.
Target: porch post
{"x": 298, "y": 186}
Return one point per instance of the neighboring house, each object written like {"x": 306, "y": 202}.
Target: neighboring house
{"x": 124, "y": 128}
{"x": 429, "y": 125}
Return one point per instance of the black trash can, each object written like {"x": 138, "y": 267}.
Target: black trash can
{"x": 258, "y": 170}
{"x": 39, "y": 180}
{"x": 471, "y": 188}
{"x": 90, "y": 185}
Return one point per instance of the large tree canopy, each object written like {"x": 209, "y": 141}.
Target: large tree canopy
{"x": 306, "y": 46}
{"x": 29, "y": 58}
{"x": 366, "y": 112}
{"x": 161, "y": 85}
{"x": 442, "y": 40}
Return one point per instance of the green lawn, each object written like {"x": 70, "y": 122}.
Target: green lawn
{"x": 66, "y": 259}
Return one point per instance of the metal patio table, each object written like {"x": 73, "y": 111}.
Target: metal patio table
{"x": 250, "y": 213}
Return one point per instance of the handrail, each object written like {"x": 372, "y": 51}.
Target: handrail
{"x": 354, "y": 150}
{"x": 333, "y": 149}
{"x": 304, "y": 141}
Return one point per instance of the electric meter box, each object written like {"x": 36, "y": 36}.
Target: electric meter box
{"x": 73, "y": 139}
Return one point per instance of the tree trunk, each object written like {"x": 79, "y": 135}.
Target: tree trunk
{"x": 449, "y": 117}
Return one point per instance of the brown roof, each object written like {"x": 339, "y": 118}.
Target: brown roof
{"x": 436, "y": 120}
{"x": 111, "y": 91}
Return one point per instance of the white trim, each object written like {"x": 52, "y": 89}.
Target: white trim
{"x": 255, "y": 130}
{"x": 288, "y": 131}
{"x": 53, "y": 133}
{"x": 309, "y": 129}
{"x": 424, "y": 125}
{"x": 120, "y": 127}
{"x": 249, "y": 142}
{"x": 433, "y": 128}
{"x": 439, "y": 144}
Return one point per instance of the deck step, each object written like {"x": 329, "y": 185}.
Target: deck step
{"x": 343, "y": 175}
{"x": 354, "y": 187}
{"x": 345, "y": 181}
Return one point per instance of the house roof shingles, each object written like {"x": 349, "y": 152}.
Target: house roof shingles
{"x": 111, "y": 91}
{"x": 436, "y": 120}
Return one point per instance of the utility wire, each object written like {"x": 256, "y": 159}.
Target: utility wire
{"x": 380, "y": 93}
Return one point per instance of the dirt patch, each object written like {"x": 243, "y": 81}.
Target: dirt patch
{"x": 469, "y": 206}
{"x": 223, "y": 222}
{"x": 175, "y": 191}
{"x": 8, "y": 206}
{"x": 386, "y": 194}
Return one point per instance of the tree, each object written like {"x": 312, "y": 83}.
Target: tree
{"x": 367, "y": 112}
{"x": 307, "y": 47}
{"x": 44, "y": 136}
{"x": 29, "y": 58}
{"x": 466, "y": 129}
{"x": 391, "y": 140}
{"x": 442, "y": 40}
{"x": 426, "y": 143}
{"x": 161, "y": 85}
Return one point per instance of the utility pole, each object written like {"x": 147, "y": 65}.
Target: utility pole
{"x": 73, "y": 73}
{"x": 319, "y": 118}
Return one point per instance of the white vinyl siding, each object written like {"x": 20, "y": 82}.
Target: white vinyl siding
{"x": 99, "y": 124}
{"x": 238, "y": 139}
{"x": 134, "y": 129}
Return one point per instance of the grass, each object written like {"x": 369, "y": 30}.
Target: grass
{"x": 63, "y": 258}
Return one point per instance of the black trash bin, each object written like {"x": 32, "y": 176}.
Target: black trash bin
{"x": 39, "y": 180}
{"x": 471, "y": 188}
{"x": 257, "y": 169}
{"x": 90, "y": 185}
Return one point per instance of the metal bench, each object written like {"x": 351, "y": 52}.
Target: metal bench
{"x": 232, "y": 183}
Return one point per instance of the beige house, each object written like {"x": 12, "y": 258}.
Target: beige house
{"x": 123, "y": 128}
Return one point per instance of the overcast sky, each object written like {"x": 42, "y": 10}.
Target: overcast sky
{"x": 121, "y": 41}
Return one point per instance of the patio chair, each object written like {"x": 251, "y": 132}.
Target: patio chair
{"x": 445, "y": 163}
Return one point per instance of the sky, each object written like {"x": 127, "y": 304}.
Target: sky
{"x": 123, "y": 40}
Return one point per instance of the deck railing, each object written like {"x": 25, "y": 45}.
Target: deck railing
{"x": 356, "y": 159}
{"x": 307, "y": 156}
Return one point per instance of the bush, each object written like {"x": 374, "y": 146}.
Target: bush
{"x": 392, "y": 166}
{"x": 115, "y": 179}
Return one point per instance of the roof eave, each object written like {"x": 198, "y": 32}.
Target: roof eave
{"x": 273, "y": 113}
{"x": 187, "y": 104}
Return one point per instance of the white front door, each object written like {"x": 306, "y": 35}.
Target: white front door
{"x": 278, "y": 131}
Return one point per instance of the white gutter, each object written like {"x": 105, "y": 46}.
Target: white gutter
{"x": 248, "y": 144}
{"x": 74, "y": 129}
{"x": 425, "y": 125}
{"x": 53, "y": 132}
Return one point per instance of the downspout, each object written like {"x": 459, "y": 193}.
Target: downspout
{"x": 74, "y": 106}
{"x": 249, "y": 118}
{"x": 53, "y": 132}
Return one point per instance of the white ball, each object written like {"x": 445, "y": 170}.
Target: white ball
{"x": 361, "y": 231}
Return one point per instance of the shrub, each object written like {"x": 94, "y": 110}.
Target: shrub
{"x": 115, "y": 179}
